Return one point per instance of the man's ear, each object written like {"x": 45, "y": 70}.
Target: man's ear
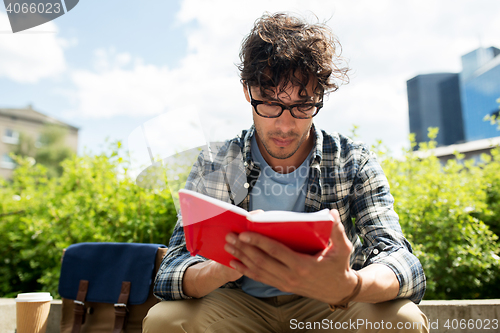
{"x": 245, "y": 91}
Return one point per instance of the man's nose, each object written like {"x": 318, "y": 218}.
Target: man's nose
{"x": 286, "y": 121}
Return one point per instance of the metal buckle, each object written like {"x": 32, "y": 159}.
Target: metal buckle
{"x": 79, "y": 302}
{"x": 121, "y": 308}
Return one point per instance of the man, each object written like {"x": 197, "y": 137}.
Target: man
{"x": 367, "y": 280}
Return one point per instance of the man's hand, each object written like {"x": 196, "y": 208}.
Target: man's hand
{"x": 325, "y": 276}
{"x": 226, "y": 274}
{"x": 202, "y": 278}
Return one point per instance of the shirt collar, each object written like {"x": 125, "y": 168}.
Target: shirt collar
{"x": 318, "y": 150}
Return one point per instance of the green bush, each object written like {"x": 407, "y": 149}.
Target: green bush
{"x": 450, "y": 214}
{"x": 440, "y": 209}
{"x": 90, "y": 202}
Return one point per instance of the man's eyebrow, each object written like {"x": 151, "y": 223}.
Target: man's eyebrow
{"x": 300, "y": 100}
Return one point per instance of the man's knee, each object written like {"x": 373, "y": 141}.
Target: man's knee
{"x": 166, "y": 316}
{"x": 194, "y": 315}
{"x": 399, "y": 315}
{"x": 413, "y": 318}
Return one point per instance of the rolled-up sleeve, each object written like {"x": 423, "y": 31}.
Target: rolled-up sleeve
{"x": 202, "y": 177}
{"x": 408, "y": 270}
{"x": 379, "y": 228}
{"x": 168, "y": 282}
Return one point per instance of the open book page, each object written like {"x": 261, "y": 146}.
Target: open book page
{"x": 287, "y": 216}
{"x": 303, "y": 232}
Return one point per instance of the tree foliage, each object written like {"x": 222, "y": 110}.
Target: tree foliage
{"x": 50, "y": 149}
{"x": 442, "y": 210}
{"x": 53, "y": 149}
{"x": 94, "y": 200}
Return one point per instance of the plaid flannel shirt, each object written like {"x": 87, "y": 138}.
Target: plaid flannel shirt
{"x": 343, "y": 175}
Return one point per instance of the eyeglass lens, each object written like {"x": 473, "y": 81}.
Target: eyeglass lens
{"x": 301, "y": 111}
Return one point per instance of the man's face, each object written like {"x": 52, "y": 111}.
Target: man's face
{"x": 286, "y": 140}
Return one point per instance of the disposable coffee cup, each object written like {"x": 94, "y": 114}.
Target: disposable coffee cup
{"x": 32, "y": 312}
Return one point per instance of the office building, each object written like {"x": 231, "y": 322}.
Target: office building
{"x": 434, "y": 101}
{"x": 457, "y": 103}
{"x": 479, "y": 91}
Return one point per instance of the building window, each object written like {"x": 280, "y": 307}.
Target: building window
{"x": 11, "y": 136}
{"x": 6, "y": 162}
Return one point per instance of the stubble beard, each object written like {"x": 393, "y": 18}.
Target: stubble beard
{"x": 282, "y": 155}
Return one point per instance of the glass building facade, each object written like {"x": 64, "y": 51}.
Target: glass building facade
{"x": 479, "y": 91}
{"x": 434, "y": 101}
{"x": 457, "y": 103}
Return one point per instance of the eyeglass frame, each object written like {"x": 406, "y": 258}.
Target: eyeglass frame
{"x": 255, "y": 102}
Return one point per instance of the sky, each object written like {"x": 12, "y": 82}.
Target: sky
{"x": 119, "y": 69}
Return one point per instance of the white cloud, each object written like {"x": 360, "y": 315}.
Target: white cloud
{"x": 120, "y": 85}
{"x": 387, "y": 43}
{"x": 28, "y": 57}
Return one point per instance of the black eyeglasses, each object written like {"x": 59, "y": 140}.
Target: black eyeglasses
{"x": 269, "y": 109}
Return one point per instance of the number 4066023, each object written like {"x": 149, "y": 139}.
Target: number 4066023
{"x": 41, "y": 8}
{"x": 471, "y": 324}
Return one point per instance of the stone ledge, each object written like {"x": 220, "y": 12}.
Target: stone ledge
{"x": 438, "y": 312}
{"x": 448, "y": 316}
{"x": 465, "y": 302}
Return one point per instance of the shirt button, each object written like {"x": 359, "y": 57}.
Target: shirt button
{"x": 375, "y": 251}
{"x": 246, "y": 185}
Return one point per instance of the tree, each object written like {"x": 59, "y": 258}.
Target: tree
{"x": 26, "y": 146}
{"x": 51, "y": 151}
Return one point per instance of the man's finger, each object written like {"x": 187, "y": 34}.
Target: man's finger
{"x": 338, "y": 236}
{"x": 253, "y": 261}
{"x": 273, "y": 248}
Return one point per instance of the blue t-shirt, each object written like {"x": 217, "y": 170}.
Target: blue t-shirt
{"x": 275, "y": 191}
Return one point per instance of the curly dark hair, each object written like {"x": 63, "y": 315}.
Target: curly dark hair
{"x": 283, "y": 49}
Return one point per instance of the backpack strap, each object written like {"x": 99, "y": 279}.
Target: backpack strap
{"x": 79, "y": 306}
{"x": 121, "y": 307}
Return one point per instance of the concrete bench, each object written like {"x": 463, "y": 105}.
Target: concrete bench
{"x": 444, "y": 316}
{"x": 453, "y": 316}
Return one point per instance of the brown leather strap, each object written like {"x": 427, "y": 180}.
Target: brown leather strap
{"x": 79, "y": 307}
{"x": 121, "y": 307}
{"x": 344, "y": 304}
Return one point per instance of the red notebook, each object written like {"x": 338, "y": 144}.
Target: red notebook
{"x": 207, "y": 221}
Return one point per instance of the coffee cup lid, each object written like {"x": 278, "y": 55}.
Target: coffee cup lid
{"x": 34, "y": 297}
